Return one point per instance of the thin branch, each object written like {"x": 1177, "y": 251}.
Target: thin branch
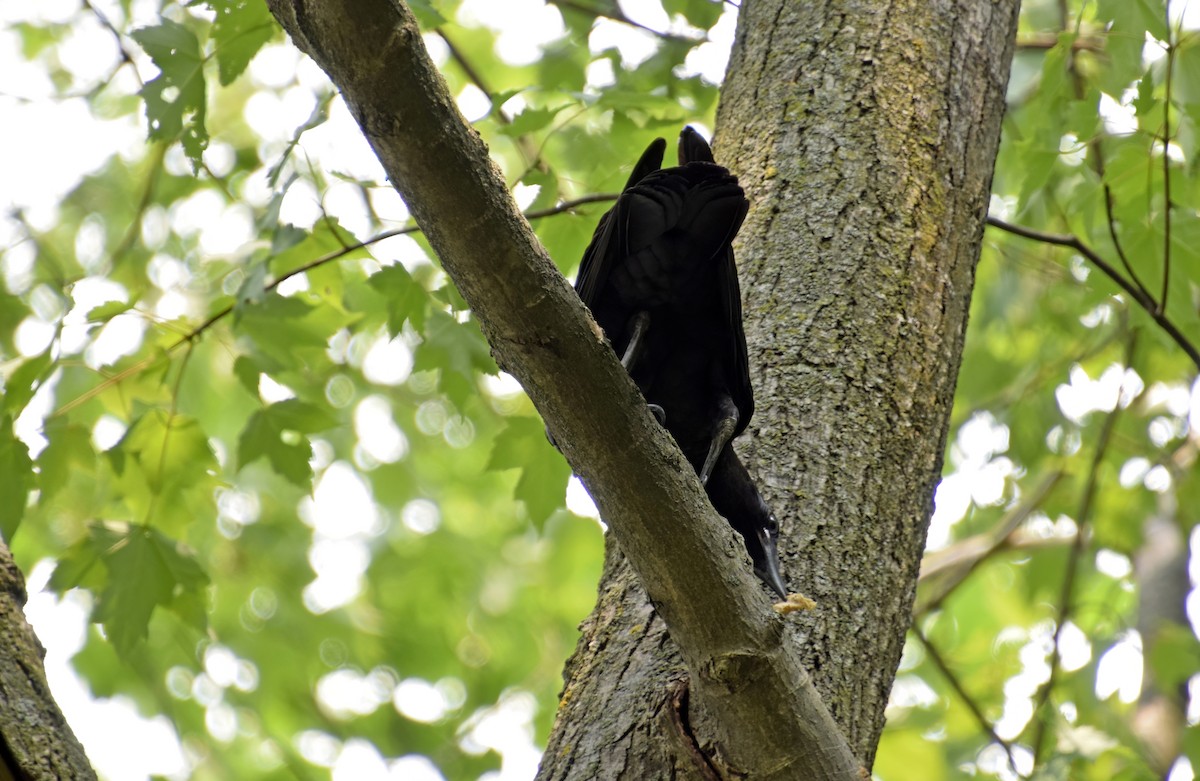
{"x": 1111, "y": 219}
{"x": 617, "y": 15}
{"x": 1144, "y": 300}
{"x": 1074, "y": 559}
{"x": 126, "y": 57}
{"x": 531, "y": 155}
{"x": 964, "y": 557}
{"x": 1166, "y": 164}
{"x": 171, "y": 413}
{"x": 976, "y": 711}
{"x": 1096, "y": 158}
{"x": 220, "y": 314}
{"x": 1043, "y": 41}
{"x": 157, "y": 155}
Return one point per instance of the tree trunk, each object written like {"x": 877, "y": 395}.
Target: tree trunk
{"x": 865, "y": 136}
{"x": 35, "y": 741}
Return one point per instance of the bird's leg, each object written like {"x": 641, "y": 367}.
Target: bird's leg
{"x": 637, "y": 340}
{"x": 722, "y": 432}
{"x": 634, "y": 350}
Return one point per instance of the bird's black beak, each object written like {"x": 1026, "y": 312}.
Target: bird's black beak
{"x": 768, "y": 568}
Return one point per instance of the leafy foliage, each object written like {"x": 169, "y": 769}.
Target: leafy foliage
{"x": 266, "y": 436}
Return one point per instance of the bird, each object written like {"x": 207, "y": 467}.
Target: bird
{"x": 659, "y": 277}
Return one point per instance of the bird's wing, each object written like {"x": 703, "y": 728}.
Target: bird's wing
{"x": 649, "y": 162}
{"x": 737, "y": 364}
{"x": 597, "y": 258}
{"x": 693, "y": 148}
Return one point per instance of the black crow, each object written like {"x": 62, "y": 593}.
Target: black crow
{"x": 660, "y": 279}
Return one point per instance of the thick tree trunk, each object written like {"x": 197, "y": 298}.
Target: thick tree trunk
{"x": 773, "y": 724}
{"x": 35, "y": 741}
{"x": 865, "y": 136}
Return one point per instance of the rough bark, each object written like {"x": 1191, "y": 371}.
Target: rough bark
{"x": 35, "y": 741}
{"x": 869, "y": 154}
{"x": 772, "y": 723}
{"x": 865, "y": 135}
{"x": 1160, "y": 569}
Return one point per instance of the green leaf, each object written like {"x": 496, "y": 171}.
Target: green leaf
{"x": 1145, "y": 102}
{"x": 406, "y": 298}
{"x": 1186, "y": 75}
{"x": 285, "y": 237}
{"x": 458, "y": 350}
{"x": 141, "y": 569}
{"x": 530, "y": 120}
{"x": 700, "y": 13}
{"x": 20, "y": 386}
{"x": 16, "y": 478}
{"x": 427, "y": 16}
{"x": 1174, "y": 655}
{"x": 281, "y": 325}
{"x": 296, "y": 415}
{"x": 171, "y": 450}
{"x": 542, "y": 485}
{"x": 240, "y": 30}
{"x": 12, "y": 312}
{"x": 247, "y": 373}
{"x": 107, "y": 311}
{"x": 253, "y": 287}
{"x": 1129, "y": 21}
{"x": 274, "y": 433}
{"x": 68, "y": 448}
{"x": 164, "y": 468}
{"x": 175, "y": 101}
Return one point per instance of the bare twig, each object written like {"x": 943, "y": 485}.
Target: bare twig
{"x": 1166, "y": 164}
{"x": 1050, "y": 40}
{"x": 1141, "y": 297}
{"x": 1074, "y": 559}
{"x": 530, "y": 154}
{"x": 157, "y": 154}
{"x": 976, "y": 711}
{"x": 126, "y": 57}
{"x": 617, "y": 15}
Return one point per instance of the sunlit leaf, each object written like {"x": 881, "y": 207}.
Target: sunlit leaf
{"x": 406, "y": 298}
{"x": 239, "y": 31}
{"x": 544, "y": 472}
{"x": 175, "y": 100}
{"x": 20, "y": 386}
{"x": 16, "y": 478}
{"x": 133, "y": 569}
{"x": 107, "y": 311}
{"x": 68, "y": 448}
{"x": 274, "y": 433}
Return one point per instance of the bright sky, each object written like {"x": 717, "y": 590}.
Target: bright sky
{"x": 41, "y": 159}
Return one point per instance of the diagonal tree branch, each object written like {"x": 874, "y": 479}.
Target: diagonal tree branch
{"x": 1145, "y": 301}
{"x": 774, "y": 725}
{"x": 986, "y": 726}
{"x": 944, "y": 571}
